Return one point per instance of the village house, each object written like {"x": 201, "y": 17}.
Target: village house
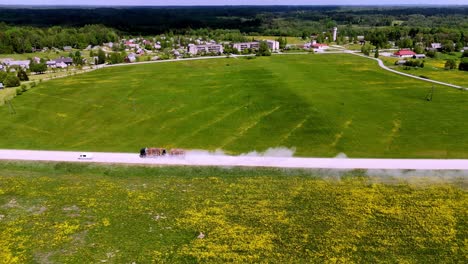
{"x": 23, "y": 64}
{"x": 361, "y": 40}
{"x": 319, "y": 46}
{"x": 61, "y": 62}
{"x": 51, "y": 64}
{"x": 130, "y": 57}
{"x": 436, "y": 46}
{"x": 130, "y": 44}
{"x": 67, "y": 48}
{"x": 67, "y": 61}
{"x": 404, "y": 53}
{"x": 207, "y": 48}
{"x": 1, "y": 85}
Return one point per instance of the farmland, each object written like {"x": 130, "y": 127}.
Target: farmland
{"x": 75, "y": 213}
{"x": 320, "y": 105}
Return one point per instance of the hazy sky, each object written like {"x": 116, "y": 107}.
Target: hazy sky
{"x": 232, "y": 2}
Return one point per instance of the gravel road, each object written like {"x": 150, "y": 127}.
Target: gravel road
{"x": 198, "y": 158}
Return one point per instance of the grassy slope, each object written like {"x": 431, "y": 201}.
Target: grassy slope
{"x": 74, "y": 213}
{"x": 322, "y": 105}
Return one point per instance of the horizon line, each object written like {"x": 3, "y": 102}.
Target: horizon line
{"x": 224, "y": 5}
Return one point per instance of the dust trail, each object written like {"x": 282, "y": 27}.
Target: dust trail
{"x": 270, "y": 152}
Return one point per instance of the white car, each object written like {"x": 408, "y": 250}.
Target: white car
{"x": 85, "y": 156}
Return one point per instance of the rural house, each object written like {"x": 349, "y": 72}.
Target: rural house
{"x": 404, "y": 53}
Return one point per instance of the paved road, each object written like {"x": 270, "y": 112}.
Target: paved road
{"x": 197, "y": 158}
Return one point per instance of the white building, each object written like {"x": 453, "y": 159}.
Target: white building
{"x": 246, "y": 45}
{"x": 207, "y": 48}
{"x": 24, "y": 64}
{"x": 272, "y": 44}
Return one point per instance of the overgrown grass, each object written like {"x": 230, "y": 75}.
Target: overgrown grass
{"x": 321, "y": 105}
{"x": 76, "y": 213}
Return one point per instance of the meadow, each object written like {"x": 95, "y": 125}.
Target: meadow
{"x": 321, "y": 105}
{"x": 77, "y": 213}
{"x": 289, "y": 40}
{"x": 434, "y": 68}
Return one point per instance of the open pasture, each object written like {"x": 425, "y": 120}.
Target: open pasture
{"x": 320, "y": 105}
{"x": 75, "y": 213}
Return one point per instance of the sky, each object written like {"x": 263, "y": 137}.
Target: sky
{"x": 231, "y": 2}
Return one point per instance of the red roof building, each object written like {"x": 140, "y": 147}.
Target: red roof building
{"x": 319, "y": 46}
{"x": 404, "y": 53}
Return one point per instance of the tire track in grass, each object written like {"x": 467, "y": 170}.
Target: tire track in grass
{"x": 290, "y": 132}
{"x": 340, "y": 135}
{"x": 61, "y": 98}
{"x": 206, "y": 126}
{"x": 394, "y": 133}
{"x": 34, "y": 129}
{"x": 195, "y": 113}
{"x": 242, "y": 130}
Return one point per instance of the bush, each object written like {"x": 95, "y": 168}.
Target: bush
{"x": 465, "y": 54}
{"x": 24, "y": 88}
{"x": 11, "y": 81}
{"x": 22, "y": 75}
{"x": 414, "y": 63}
{"x": 18, "y": 91}
{"x": 431, "y": 54}
{"x": 33, "y": 84}
{"x": 463, "y": 66}
{"x": 3, "y": 75}
{"x": 450, "y": 64}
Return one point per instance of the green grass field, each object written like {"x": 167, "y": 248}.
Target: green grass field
{"x": 321, "y": 105}
{"x": 435, "y": 69}
{"x": 75, "y": 213}
{"x": 290, "y": 40}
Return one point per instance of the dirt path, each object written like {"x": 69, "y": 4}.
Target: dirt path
{"x": 200, "y": 158}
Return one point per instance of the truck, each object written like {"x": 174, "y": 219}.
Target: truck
{"x": 159, "y": 152}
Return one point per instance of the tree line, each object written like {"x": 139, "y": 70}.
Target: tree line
{"x": 19, "y": 39}
{"x": 262, "y": 20}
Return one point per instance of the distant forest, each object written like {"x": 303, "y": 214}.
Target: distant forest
{"x": 264, "y": 20}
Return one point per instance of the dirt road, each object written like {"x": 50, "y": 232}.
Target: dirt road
{"x": 211, "y": 159}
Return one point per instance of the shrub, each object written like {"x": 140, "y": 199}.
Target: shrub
{"x": 3, "y": 75}
{"x": 18, "y": 91}
{"x": 431, "y": 53}
{"x": 22, "y": 75}
{"x": 465, "y": 54}
{"x": 414, "y": 63}
{"x": 463, "y": 66}
{"x": 24, "y": 88}
{"x": 33, "y": 84}
{"x": 11, "y": 81}
{"x": 450, "y": 64}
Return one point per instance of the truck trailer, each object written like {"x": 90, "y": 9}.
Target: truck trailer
{"x": 159, "y": 152}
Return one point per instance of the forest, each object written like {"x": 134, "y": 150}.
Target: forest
{"x": 266, "y": 20}
{"x": 24, "y": 30}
